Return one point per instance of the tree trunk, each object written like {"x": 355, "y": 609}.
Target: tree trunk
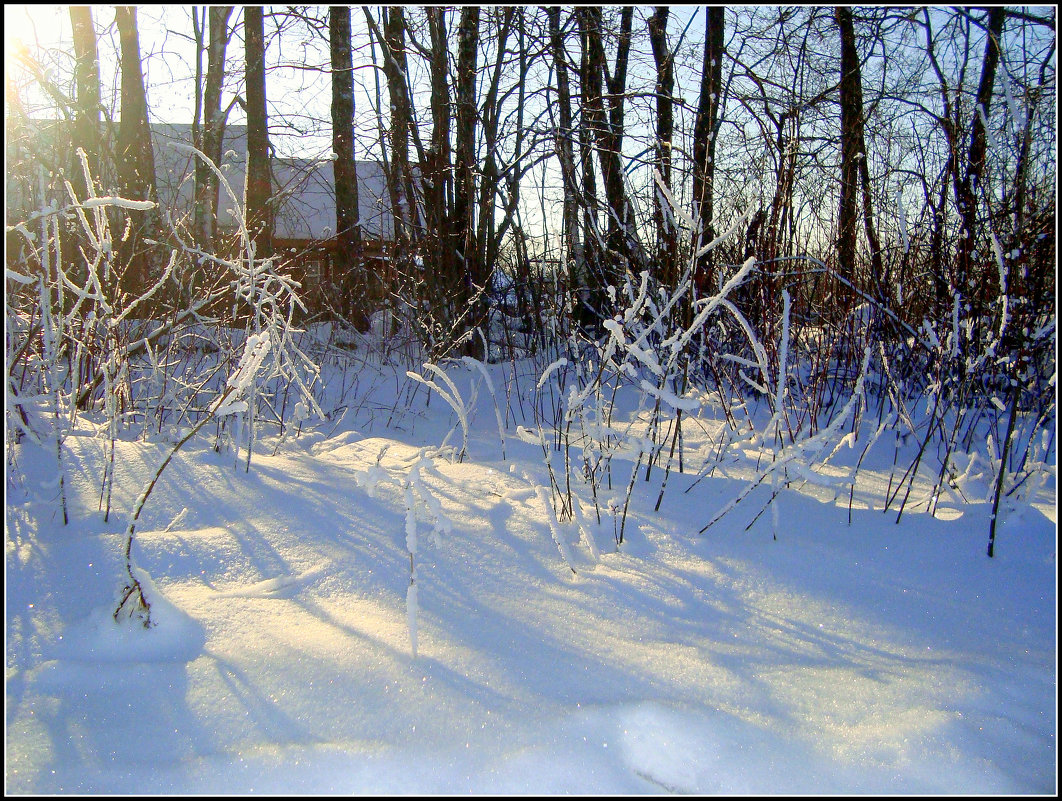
{"x": 949, "y": 123}
{"x": 515, "y": 170}
{"x": 705, "y": 130}
{"x": 608, "y": 135}
{"x": 208, "y": 138}
{"x": 617, "y": 84}
{"x": 851, "y": 118}
{"x": 437, "y": 173}
{"x": 463, "y": 223}
{"x": 590, "y": 300}
{"x": 346, "y": 257}
{"x": 393, "y": 46}
{"x": 87, "y": 110}
{"x": 616, "y": 253}
{"x": 86, "y": 129}
{"x": 259, "y": 185}
{"x": 667, "y": 239}
{"x": 575, "y": 259}
{"x": 486, "y": 237}
{"x": 134, "y": 156}
{"x": 970, "y": 186}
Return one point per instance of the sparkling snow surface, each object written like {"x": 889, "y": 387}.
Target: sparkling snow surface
{"x": 837, "y": 658}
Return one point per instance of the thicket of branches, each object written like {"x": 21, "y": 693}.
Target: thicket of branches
{"x": 791, "y": 205}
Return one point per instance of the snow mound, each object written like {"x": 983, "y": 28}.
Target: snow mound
{"x": 174, "y": 637}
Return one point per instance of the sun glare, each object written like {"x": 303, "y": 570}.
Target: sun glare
{"x": 19, "y": 26}
{"x": 27, "y": 26}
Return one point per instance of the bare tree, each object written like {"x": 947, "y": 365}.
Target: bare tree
{"x": 437, "y": 171}
{"x": 704, "y": 133}
{"x": 565, "y": 148}
{"x": 607, "y": 131}
{"x": 400, "y": 183}
{"x": 87, "y": 80}
{"x": 593, "y": 241}
{"x": 970, "y": 187}
{"x": 259, "y": 184}
{"x": 208, "y": 125}
{"x": 853, "y": 154}
{"x": 479, "y": 271}
{"x": 667, "y": 239}
{"x": 134, "y": 156}
{"x": 345, "y": 260}
{"x": 463, "y": 217}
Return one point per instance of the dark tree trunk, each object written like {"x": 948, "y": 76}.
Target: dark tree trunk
{"x": 851, "y": 120}
{"x": 208, "y": 136}
{"x": 667, "y": 239}
{"x": 398, "y": 95}
{"x": 608, "y": 135}
{"x": 593, "y": 243}
{"x": 705, "y": 129}
{"x": 853, "y": 147}
{"x": 86, "y": 129}
{"x": 437, "y": 173}
{"x": 566, "y": 154}
{"x": 463, "y": 224}
{"x": 87, "y": 110}
{"x": 950, "y": 125}
{"x": 486, "y": 237}
{"x": 515, "y": 170}
{"x": 395, "y": 33}
{"x": 346, "y": 259}
{"x": 619, "y": 244}
{"x": 135, "y": 160}
{"x": 969, "y": 188}
{"x": 617, "y": 84}
{"x": 259, "y": 186}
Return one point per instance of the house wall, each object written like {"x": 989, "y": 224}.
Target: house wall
{"x": 304, "y": 196}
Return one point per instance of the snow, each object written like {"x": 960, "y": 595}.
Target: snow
{"x": 136, "y": 205}
{"x": 862, "y": 657}
{"x": 255, "y": 350}
{"x": 904, "y": 238}
{"x": 670, "y": 398}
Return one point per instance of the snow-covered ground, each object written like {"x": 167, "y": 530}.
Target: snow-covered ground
{"x": 804, "y": 655}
